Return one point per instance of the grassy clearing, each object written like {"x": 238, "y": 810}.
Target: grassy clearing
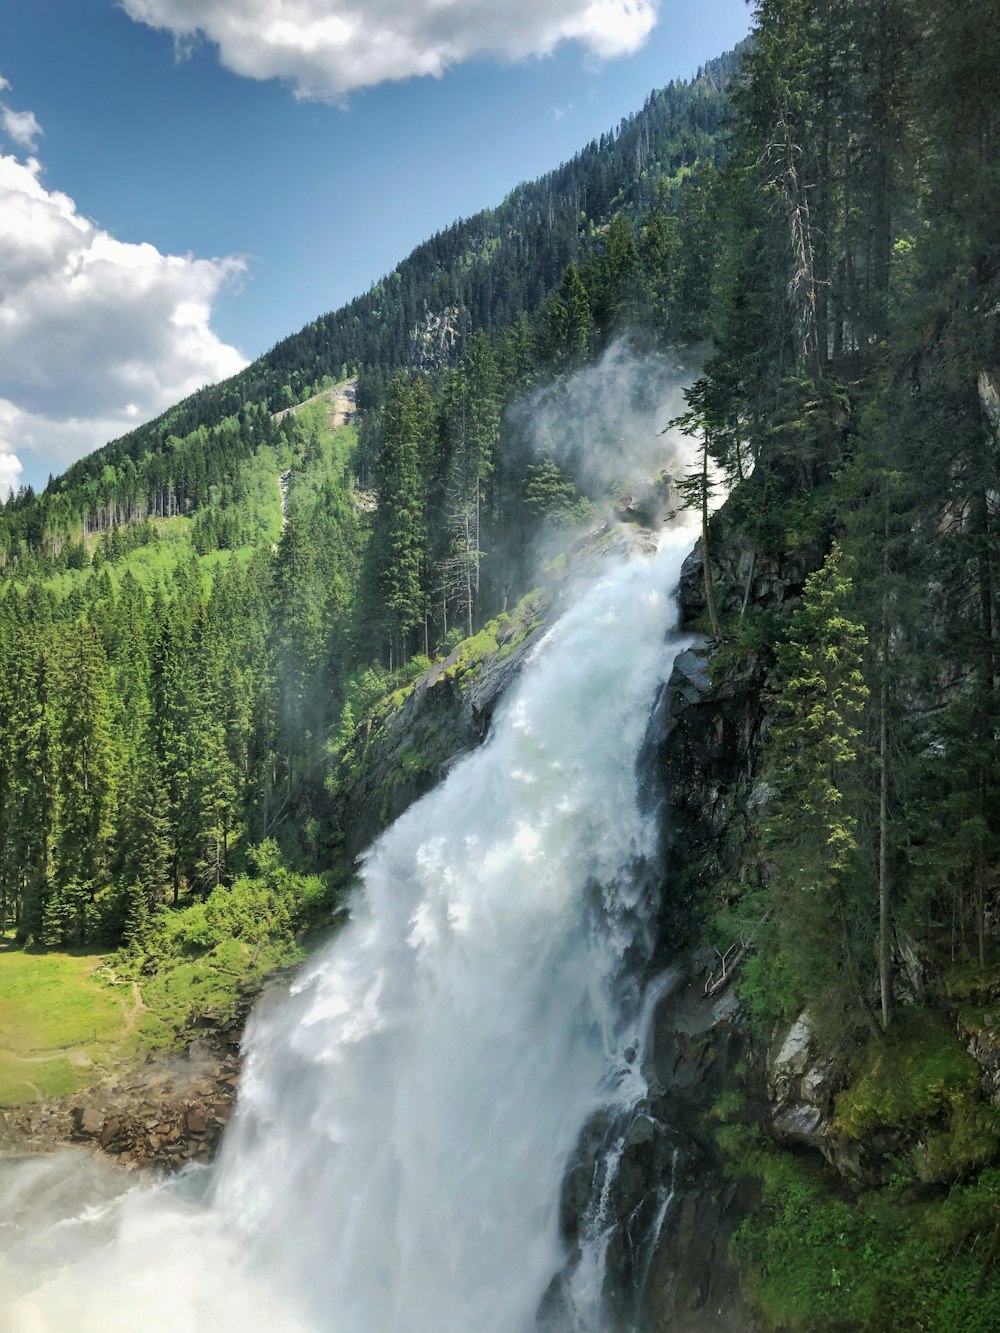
{"x": 60, "y": 1024}
{"x": 65, "y": 1018}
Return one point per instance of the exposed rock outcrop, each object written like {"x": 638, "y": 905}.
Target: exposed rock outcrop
{"x": 165, "y": 1113}
{"x": 700, "y": 766}
{"x": 447, "y": 713}
{"x": 449, "y": 709}
{"x": 742, "y": 579}
{"x": 981, "y": 1039}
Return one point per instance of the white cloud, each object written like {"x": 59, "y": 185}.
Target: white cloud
{"x": 326, "y": 48}
{"x": 96, "y": 334}
{"x": 58, "y": 441}
{"x": 10, "y": 472}
{"x": 21, "y": 126}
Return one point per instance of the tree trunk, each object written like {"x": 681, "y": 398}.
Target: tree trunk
{"x": 706, "y": 567}
{"x": 884, "y": 887}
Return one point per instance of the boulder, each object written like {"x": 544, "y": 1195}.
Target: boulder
{"x": 88, "y": 1120}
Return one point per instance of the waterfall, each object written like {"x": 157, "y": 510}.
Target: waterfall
{"x": 408, "y": 1110}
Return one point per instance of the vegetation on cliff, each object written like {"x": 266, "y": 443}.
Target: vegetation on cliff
{"x": 851, "y": 395}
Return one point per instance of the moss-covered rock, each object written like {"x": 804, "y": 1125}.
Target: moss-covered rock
{"x": 402, "y": 746}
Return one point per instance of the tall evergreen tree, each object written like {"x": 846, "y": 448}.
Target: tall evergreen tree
{"x": 819, "y": 933}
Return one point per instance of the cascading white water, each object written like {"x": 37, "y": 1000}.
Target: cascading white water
{"x": 584, "y": 1309}
{"x": 406, "y": 1114}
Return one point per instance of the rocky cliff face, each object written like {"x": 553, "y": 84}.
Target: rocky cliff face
{"x": 447, "y": 714}
{"x": 702, "y": 761}
{"x": 669, "y": 1266}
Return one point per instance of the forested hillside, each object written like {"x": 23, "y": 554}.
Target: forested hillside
{"x": 482, "y": 273}
{"x": 195, "y": 619}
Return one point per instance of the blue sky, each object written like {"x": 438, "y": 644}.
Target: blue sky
{"x": 173, "y": 202}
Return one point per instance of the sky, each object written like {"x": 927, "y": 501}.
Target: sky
{"x": 185, "y": 182}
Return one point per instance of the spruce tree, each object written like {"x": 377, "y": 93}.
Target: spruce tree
{"x": 820, "y": 929}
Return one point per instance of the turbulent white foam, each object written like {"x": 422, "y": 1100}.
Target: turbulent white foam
{"x": 407, "y": 1113}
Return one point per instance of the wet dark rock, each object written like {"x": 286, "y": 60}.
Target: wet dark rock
{"x": 699, "y": 769}
{"x": 109, "y": 1132}
{"x": 667, "y": 1264}
{"x": 739, "y": 577}
{"x": 982, "y": 1041}
{"x": 195, "y": 1121}
{"x": 444, "y": 717}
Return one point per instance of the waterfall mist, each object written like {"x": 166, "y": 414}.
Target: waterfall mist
{"x": 407, "y": 1113}
{"x": 607, "y": 424}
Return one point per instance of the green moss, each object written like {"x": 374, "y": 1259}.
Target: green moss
{"x": 966, "y": 981}
{"x": 921, "y": 1079}
{"x": 978, "y": 1017}
{"x": 729, "y": 1104}
{"x": 472, "y": 653}
{"x": 499, "y": 638}
{"x": 818, "y": 1261}
{"x": 375, "y": 697}
{"x": 413, "y": 762}
{"x": 905, "y": 1258}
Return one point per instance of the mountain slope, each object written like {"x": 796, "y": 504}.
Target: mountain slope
{"x": 493, "y": 266}
{"x": 195, "y": 620}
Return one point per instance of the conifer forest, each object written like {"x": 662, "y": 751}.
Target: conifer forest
{"x": 222, "y": 635}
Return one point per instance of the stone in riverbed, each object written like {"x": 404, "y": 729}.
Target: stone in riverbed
{"x": 195, "y": 1121}
{"x": 88, "y": 1120}
{"x": 108, "y": 1131}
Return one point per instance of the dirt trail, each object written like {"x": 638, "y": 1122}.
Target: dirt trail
{"x": 340, "y": 400}
{"x": 133, "y": 1015}
{"x": 341, "y": 406}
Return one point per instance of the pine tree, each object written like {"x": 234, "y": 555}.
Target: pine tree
{"x": 400, "y": 534}
{"x": 698, "y": 487}
{"x": 819, "y": 929}
{"x": 86, "y": 767}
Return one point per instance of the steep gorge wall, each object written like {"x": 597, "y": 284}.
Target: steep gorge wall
{"x": 701, "y": 764}
{"x": 711, "y": 1067}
